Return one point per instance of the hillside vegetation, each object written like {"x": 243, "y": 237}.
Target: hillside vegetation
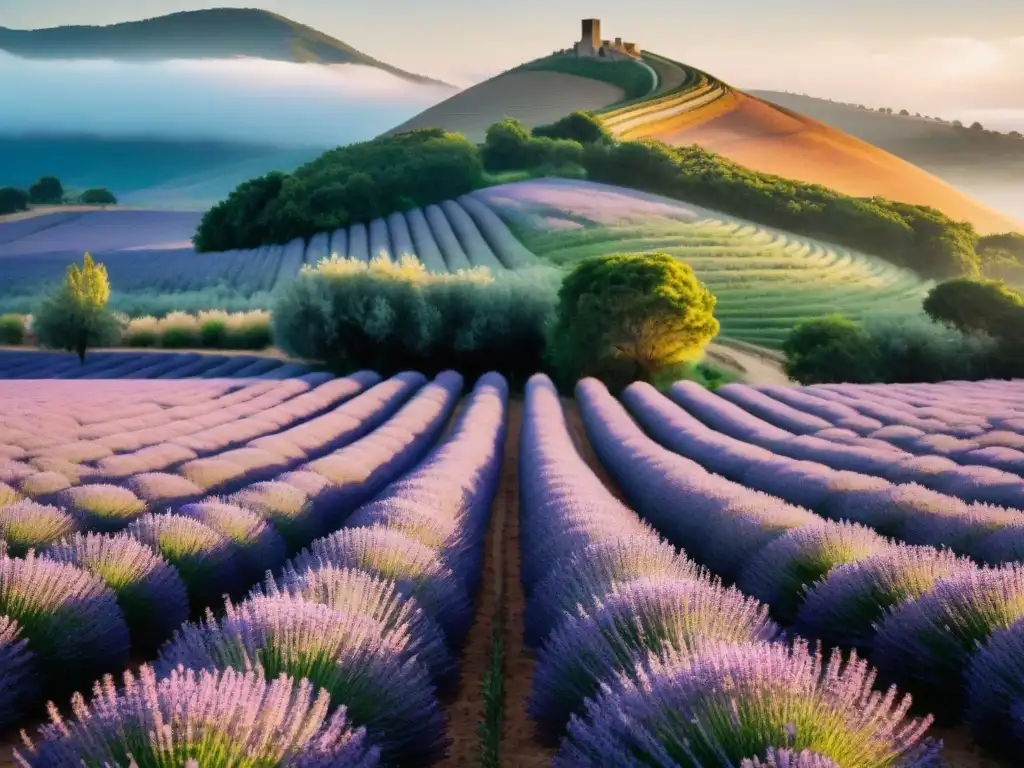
{"x": 635, "y": 80}
{"x": 217, "y": 33}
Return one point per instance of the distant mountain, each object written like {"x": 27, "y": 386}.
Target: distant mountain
{"x": 218, "y": 33}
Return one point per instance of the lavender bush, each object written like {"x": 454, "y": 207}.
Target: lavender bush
{"x": 260, "y": 547}
{"x": 18, "y": 676}
{"x": 26, "y": 525}
{"x": 201, "y": 718}
{"x": 995, "y": 689}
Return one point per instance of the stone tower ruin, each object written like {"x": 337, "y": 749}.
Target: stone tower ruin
{"x": 591, "y": 46}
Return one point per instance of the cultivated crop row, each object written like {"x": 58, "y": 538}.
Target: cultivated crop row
{"x": 844, "y": 557}
{"x": 372, "y": 612}
{"x": 143, "y": 365}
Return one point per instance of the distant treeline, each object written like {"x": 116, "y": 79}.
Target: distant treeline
{"x": 368, "y": 180}
{"x": 48, "y": 190}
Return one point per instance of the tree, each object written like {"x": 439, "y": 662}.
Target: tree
{"x": 48, "y": 190}
{"x": 576, "y": 126}
{"x": 507, "y": 146}
{"x": 974, "y": 306}
{"x": 75, "y": 317}
{"x": 626, "y": 316}
{"x": 1016, "y": 134}
{"x": 976, "y": 126}
{"x": 98, "y": 196}
{"x": 12, "y": 200}
{"x": 905, "y": 113}
{"x": 830, "y": 349}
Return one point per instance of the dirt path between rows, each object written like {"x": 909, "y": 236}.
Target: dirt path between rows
{"x": 755, "y": 370}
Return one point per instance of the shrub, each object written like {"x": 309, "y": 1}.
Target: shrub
{"x": 141, "y": 332}
{"x": 393, "y": 317}
{"x": 12, "y": 200}
{"x": 509, "y": 146}
{"x": 12, "y": 329}
{"x": 27, "y": 525}
{"x": 19, "y": 676}
{"x": 178, "y": 330}
{"x": 828, "y": 350}
{"x": 97, "y": 196}
{"x": 627, "y": 316}
{"x": 350, "y": 184}
{"x": 47, "y": 189}
{"x": 911, "y": 349}
{"x": 75, "y": 317}
{"x": 576, "y": 126}
{"x": 244, "y": 330}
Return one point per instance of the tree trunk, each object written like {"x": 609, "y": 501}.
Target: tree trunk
{"x": 80, "y": 349}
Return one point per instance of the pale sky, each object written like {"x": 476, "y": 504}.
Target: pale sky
{"x": 927, "y": 55}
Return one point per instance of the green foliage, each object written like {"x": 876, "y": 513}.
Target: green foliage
{"x": 97, "y": 196}
{"x": 12, "y": 329}
{"x": 633, "y": 78}
{"x": 576, "y": 126}
{"x": 48, "y": 190}
{"x": 12, "y": 200}
{"x": 974, "y": 306}
{"x": 347, "y": 185}
{"x": 509, "y": 146}
{"x": 393, "y": 317}
{"x": 75, "y": 317}
{"x": 917, "y": 237}
{"x": 625, "y": 317}
{"x": 210, "y": 330}
{"x": 493, "y": 694}
{"x": 829, "y": 349}
{"x": 1011, "y": 243}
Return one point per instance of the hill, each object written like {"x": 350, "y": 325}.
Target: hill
{"x": 689, "y": 106}
{"x": 218, "y": 33}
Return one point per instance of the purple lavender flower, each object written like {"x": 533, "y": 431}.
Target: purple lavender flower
{"x": 69, "y": 617}
{"x": 995, "y": 689}
{"x": 8, "y": 495}
{"x": 286, "y": 506}
{"x": 638, "y": 619}
{"x": 207, "y": 561}
{"x": 415, "y": 569}
{"x": 150, "y": 592}
{"x": 787, "y": 758}
{"x": 926, "y": 643}
{"x": 163, "y": 488}
{"x": 26, "y": 525}
{"x": 209, "y": 717}
{"x": 361, "y": 666}
{"x": 782, "y": 571}
{"x": 363, "y": 594}
{"x": 889, "y": 508}
{"x": 590, "y": 574}
{"x": 736, "y": 701}
{"x": 260, "y": 546}
{"x": 843, "y": 608}
{"x": 39, "y": 485}
{"x": 18, "y": 676}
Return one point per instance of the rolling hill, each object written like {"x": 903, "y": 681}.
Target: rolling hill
{"x": 688, "y": 106}
{"x": 218, "y": 33}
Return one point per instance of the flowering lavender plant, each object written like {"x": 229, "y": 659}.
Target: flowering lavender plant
{"x": 26, "y": 525}
{"x": 995, "y": 689}
{"x": 203, "y": 718}
{"x": 260, "y": 547}
{"x": 150, "y": 592}
{"x": 18, "y": 675}
{"x": 360, "y": 665}
{"x": 286, "y": 506}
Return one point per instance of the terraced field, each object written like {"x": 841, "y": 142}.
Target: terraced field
{"x": 402, "y": 520}
{"x": 765, "y": 280}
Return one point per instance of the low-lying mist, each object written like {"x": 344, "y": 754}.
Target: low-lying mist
{"x": 250, "y": 100}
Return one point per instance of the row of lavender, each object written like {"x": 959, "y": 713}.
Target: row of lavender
{"x": 141, "y": 365}
{"x": 362, "y": 612}
{"x": 941, "y": 626}
{"x": 647, "y": 659}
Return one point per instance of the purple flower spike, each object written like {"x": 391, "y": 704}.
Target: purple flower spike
{"x": 103, "y": 507}
{"x": 150, "y": 592}
{"x": 18, "y": 682}
{"x": 588, "y": 575}
{"x": 260, "y": 546}
{"x": 736, "y": 701}
{"x": 641, "y": 618}
{"x": 226, "y": 718}
{"x": 362, "y": 667}
{"x": 926, "y": 643}
{"x": 69, "y": 617}
{"x": 8, "y": 495}
{"x": 356, "y": 592}
{"x": 995, "y": 689}
{"x": 843, "y": 608}
{"x": 782, "y": 571}
{"x": 208, "y": 562}
{"x": 415, "y": 569}
{"x": 787, "y": 758}
{"x": 27, "y": 525}
{"x": 286, "y": 506}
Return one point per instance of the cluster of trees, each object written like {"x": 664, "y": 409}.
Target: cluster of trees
{"x": 973, "y": 329}
{"x": 350, "y": 184}
{"x": 49, "y": 190}
{"x": 621, "y": 318}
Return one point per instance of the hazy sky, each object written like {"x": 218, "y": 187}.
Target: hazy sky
{"x": 927, "y": 55}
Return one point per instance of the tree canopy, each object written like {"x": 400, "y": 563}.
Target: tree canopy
{"x": 974, "y": 306}
{"x": 47, "y": 190}
{"x": 830, "y": 349}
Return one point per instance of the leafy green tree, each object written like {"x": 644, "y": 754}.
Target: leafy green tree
{"x": 507, "y": 146}
{"x": 48, "y": 190}
{"x": 974, "y": 306}
{"x": 831, "y": 349}
{"x": 98, "y": 196}
{"x": 576, "y": 126}
{"x": 627, "y": 316}
{"x": 12, "y": 200}
{"x": 75, "y": 317}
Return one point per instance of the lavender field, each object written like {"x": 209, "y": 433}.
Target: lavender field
{"x": 274, "y": 540}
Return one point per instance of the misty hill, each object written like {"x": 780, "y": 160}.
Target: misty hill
{"x": 218, "y": 33}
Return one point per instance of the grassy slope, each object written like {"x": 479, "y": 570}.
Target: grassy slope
{"x": 636, "y": 81}
{"x": 213, "y": 33}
